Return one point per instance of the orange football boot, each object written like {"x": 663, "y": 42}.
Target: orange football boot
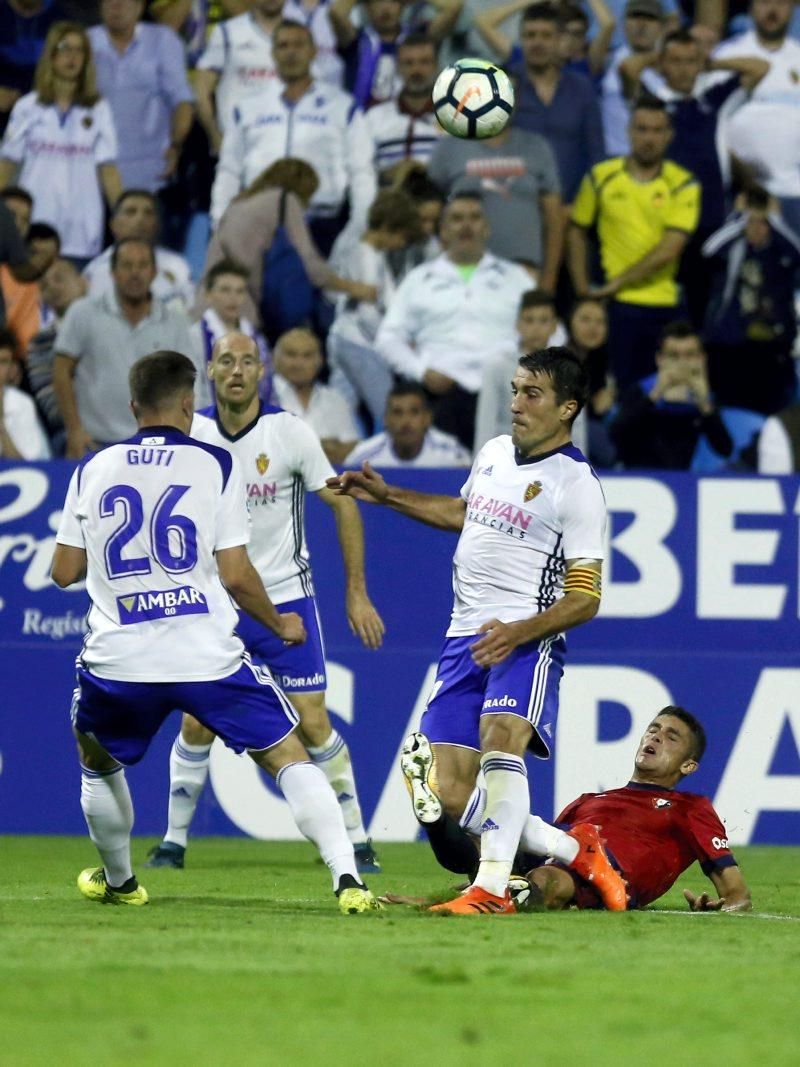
{"x": 476, "y": 901}
{"x": 594, "y": 866}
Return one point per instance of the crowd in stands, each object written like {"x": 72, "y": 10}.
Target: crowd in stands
{"x": 174, "y": 170}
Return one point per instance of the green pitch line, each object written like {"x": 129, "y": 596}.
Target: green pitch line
{"x": 243, "y": 959}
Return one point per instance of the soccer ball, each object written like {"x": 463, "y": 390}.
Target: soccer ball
{"x": 473, "y": 98}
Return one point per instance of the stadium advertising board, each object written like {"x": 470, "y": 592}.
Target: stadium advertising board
{"x": 700, "y": 607}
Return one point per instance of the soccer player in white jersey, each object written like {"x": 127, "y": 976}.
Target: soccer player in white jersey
{"x": 281, "y": 459}
{"x": 158, "y": 527}
{"x": 527, "y": 567}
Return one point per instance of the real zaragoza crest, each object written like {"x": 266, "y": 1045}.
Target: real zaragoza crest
{"x": 533, "y": 490}
{"x": 262, "y": 462}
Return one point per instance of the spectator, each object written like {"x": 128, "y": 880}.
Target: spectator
{"x": 694, "y": 101}
{"x": 779, "y": 442}
{"x": 141, "y": 72}
{"x": 21, "y": 433}
{"x": 751, "y": 323}
{"x": 537, "y": 327}
{"x": 556, "y": 103}
{"x": 643, "y": 27}
{"x": 61, "y": 142}
{"x": 13, "y": 251}
{"x": 24, "y": 24}
{"x": 587, "y": 328}
{"x": 298, "y": 362}
{"x": 661, "y": 419}
{"x": 370, "y": 53}
{"x": 517, "y": 178}
{"x": 765, "y": 133}
{"x": 136, "y": 215}
{"x": 404, "y": 130}
{"x": 60, "y": 285}
{"x": 20, "y": 203}
{"x": 99, "y": 341}
{"x": 449, "y": 317}
{"x": 356, "y": 369}
{"x": 236, "y": 63}
{"x": 20, "y": 291}
{"x": 316, "y": 14}
{"x": 225, "y": 294}
{"x": 409, "y": 439}
{"x": 645, "y": 209}
{"x": 429, "y": 201}
{"x": 325, "y": 130}
{"x": 581, "y": 52}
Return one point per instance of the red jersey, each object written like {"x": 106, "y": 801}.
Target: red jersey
{"x": 654, "y": 834}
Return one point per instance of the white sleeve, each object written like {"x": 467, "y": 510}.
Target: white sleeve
{"x": 70, "y": 531}
{"x": 360, "y": 170}
{"x": 15, "y": 141}
{"x": 395, "y": 333}
{"x": 105, "y": 144}
{"x": 233, "y": 520}
{"x": 582, "y": 508}
{"x": 213, "y": 58}
{"x": 309, "y": 460}
{"x": 229, "y": 175}
{"x": 774, "y": 449}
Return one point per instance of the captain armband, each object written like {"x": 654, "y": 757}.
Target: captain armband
{"x": 583, "y": 580}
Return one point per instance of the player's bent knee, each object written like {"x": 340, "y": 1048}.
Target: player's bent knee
{"x": 194, "y": 733}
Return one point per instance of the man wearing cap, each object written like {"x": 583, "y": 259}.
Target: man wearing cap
{"x": 643, "y": 25}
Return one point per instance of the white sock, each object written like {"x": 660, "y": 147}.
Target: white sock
{"x": 188, "y": 770}
{"x": 318, "y": 816}
{"x": 545, "y": 840}
{"x": 472, "y": 818}
{"x": 507, "y": 807}
{"x": 108, "y": 810}
{"x": 333, "y": 759}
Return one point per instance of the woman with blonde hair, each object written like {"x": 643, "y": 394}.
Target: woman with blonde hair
{"x": 61, "y": 145}
{"x": 273, "y": 207}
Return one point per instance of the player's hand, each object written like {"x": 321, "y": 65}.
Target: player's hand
{"x": 365, "y": 622}
{"x": 704, "y": 902}
{"x": 365, "y": 484}
{"x": 292, "y": 631}
{"x": 498, "y": 642}
{"x": 79, "y": 443}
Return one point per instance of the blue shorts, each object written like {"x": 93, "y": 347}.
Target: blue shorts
{"x": 246, "y": 709}
{"x": 297, "y": 668}
{"x": 525, "y": 684}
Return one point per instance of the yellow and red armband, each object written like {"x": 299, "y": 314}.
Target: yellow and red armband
{"x": 583, "y": 580}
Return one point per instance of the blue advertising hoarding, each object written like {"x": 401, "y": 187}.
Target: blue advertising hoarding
{"x": 700, "y": 607}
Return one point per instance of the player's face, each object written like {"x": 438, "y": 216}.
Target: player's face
{"x": 407, "y": 420}
{"x": 540, "y": 40}
{"x": 539, "y": 422}
{"x": 535, "y": 326}
{"x": 650, "y": 133}
{"x": 134, "y": 272}
{"x": 69, "y": 57}
{"x": 227, "y": 296}
{"x": 665, "y": 750}
{"x": 680, "y": 65}
{"x": 589, "y": 325}
{"x": 293, "y": 52}
{"x": 771, "y": 18}
{"x": 236, "y": 371}
{"x": 298, "y": 358}
{"x": 416, "y": 67}
{"x": 135, "y": 217}
{"x": 642, "y": 32}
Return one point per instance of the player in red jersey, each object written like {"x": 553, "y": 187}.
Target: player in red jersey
{"x": 652, "y": 832}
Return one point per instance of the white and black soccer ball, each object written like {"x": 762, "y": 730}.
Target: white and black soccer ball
{"x": 473, "y": 98}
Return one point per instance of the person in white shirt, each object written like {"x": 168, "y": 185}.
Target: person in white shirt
{"x": 299, "y": 117}
{"x": 779, "y": 442}
{"x": 409, "y": 439}
{"x": 764, "y": 134}
{"x": 61, "y": 144}
{"x": 316, "y": 14}
{"x": 298, "y": 362}
{"x": 452, "y": 316}
{"x": 21, "y": 433}
{"x": 282, "y": 460}
{"x": 158, "y": 527}
{"x": 357, "y": 371}
{"x": 531, "y": 521}
{"x": 136, "y": 215}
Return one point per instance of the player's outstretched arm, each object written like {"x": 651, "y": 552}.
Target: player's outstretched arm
{"x": 732, "y": 889}
{"x": 242, "y": 581}
{"x": 69, "y": 565}
{"x": 442, "y": 512}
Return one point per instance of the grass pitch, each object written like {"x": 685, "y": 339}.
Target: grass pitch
{"x": 242, "y": 958}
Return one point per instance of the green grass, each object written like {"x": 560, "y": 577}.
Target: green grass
{"x": 243, "y": 959}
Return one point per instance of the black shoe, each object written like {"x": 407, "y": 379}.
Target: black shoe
{"x": 166, "y": 855}
{"x": 367, "y": 861}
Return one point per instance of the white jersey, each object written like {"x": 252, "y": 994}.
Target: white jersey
{"x": 281, "y": 460}
{"x": 150, "y": 513}
{"x": 59, "y": 156}
{"x": 524, "y": 518}
{"x": 240, "y": 51}
{"x": 439, "y": 449}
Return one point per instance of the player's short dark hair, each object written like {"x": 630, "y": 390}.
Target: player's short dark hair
{"x": 573, "y": 13}
{"x": 135, "y": 194}
{"x": 418, "y": 39}
{"x": 405, "y": 387}
{"x": 565, "y": 371}
{"x": 160, "y": 378}
{"x": 292, "y": 24}
{"x": 225, "y": 266}
{"x": 119, "y": 245}
{"x": 699, "y": 740}
{"x": 16, "y": 192}
{"x": 536, "y": 298}
{"x": 678, "y": 330}
{"x": 542, "y": 12}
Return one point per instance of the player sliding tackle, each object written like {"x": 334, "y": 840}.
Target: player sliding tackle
{"x": 158, "y": 527}
{"x": 531, "y": 519}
